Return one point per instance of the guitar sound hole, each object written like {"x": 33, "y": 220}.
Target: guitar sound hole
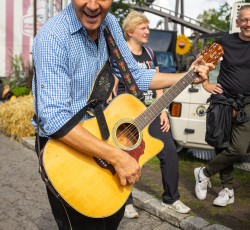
{"x": 127, "y": 135}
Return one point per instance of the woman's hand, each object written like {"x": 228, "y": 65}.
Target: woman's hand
{"x": 165, "y": 125}
{"x": 213, "y": 88}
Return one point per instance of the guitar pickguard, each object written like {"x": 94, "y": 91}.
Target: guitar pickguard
{"x": 136, "y": 153}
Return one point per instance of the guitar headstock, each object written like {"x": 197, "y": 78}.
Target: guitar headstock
{"x": 213, "y": 53}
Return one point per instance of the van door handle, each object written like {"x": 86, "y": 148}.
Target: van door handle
{"x": 193, "y": 90}
{"x": 189, "y": 130}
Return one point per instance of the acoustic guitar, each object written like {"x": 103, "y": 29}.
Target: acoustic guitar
{"x": 90, "y": 185}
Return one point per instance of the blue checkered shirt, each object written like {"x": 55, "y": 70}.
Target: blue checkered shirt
{"x": 67, "y": 61}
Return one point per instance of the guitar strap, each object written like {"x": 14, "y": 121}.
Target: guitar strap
{"x": 122, "y": 66}
{"x": 101, "y": 90}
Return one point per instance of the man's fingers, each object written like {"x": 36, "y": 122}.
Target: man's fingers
{"x": 210, "y": 66}
{"x": 131, "y": 180}
{"x": 202, "y": 71}
{"x": 123, "y": 181}
{"x": 197, "y": 61}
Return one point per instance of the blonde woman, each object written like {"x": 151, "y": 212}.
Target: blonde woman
{"x": 136, "y": 33}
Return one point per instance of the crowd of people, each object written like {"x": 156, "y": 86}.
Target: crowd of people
{"x": 69, "y": 51}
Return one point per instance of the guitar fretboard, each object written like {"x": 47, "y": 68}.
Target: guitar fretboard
{"x": 158, "y": 105}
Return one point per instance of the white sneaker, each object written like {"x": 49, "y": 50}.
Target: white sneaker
{"x": 130, "y": 212}
{"x": 226, "y": 196}
{"x": 178, "y": 206}
{"x": 202, "y": 183}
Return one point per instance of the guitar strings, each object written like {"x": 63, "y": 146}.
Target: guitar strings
{"x": 131, "y": 131}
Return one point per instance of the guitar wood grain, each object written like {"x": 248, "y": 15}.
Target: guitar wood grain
{"x": 79, "y": 180}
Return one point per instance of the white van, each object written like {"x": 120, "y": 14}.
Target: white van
{"x": 187, "y": 115}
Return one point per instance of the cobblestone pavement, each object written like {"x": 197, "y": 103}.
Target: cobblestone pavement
{"x": 23, "y": 201}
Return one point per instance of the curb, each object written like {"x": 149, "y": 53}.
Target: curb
{"x": 152, "y": 205}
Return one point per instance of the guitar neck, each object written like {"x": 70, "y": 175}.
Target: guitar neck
{"x": 158, "y": 105}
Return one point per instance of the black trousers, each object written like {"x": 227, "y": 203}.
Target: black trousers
{"x": 67, "y": 218}
{"x": 169, "y": 161}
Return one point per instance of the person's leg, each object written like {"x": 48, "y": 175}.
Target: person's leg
{"x": 59, "y": 212}
{"x": 226, "y": 177}
{"x": 240, "y": 139}
{"x": 223, "y": 162}
{"x": 169, "y": 168}
{"x": 67, "y": 218}
{"x": 168, "y": 162}
{"x": 112, "y": 222}
{"x": 130, "y": 199}
{"x": 130, "y": 211}
{"x": 239, "y": 143}
{"x": 80, "y": 222}
{"x": 226, "y": 196}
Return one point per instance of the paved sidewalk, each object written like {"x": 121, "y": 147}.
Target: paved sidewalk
{"x": 24, "y": 204}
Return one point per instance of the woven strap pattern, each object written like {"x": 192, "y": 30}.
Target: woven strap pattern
{"x": 122, "y": 66}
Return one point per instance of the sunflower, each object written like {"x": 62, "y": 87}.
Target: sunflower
{"x": 183, "y": 44}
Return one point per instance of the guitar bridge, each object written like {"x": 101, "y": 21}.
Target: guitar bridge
{"x": 104, "y": 164}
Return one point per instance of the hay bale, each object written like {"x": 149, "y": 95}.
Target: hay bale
{"x": 15, "y": 117}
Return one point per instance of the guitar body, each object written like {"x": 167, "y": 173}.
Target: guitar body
{"x": 81, "y": 180}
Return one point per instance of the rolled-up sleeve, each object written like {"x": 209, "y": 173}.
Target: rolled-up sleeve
{"x": 54, "y": 101}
